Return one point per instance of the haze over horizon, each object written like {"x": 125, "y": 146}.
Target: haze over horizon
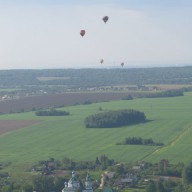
{"x": 43, "y": 34}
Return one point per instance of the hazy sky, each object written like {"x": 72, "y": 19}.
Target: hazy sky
{"x": 45, "y": 33}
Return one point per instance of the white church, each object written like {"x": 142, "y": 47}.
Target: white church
{"x": 73, "y": 184}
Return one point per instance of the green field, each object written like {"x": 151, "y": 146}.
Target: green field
{"x": 9, "y": 90}
{"x": 59, "y": 137}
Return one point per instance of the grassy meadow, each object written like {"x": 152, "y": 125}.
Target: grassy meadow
{"x": 66, "y": 136}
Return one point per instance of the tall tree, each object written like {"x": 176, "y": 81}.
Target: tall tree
{"x": 187, "y": 174}
{"x": 151, "y": 187}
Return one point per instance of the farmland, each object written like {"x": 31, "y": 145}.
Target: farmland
{"x": 7, "y": 126}
{"x": 57, "y": 100}
{"x": 15, "y": 84}
{"x": 59, "y": 137}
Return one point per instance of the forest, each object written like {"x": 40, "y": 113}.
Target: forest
{"x": 95, "y": 77}
{"x": 116, "y": 118}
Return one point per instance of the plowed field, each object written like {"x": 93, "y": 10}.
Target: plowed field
{"x": 57, "y": 100}
{"x": 12, "y": 125}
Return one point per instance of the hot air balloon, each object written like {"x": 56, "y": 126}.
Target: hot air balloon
{"x": 122, "y": 64}
{"x": 82, "y": 33}
{"x": 105, "y": 18}
{"x": 101, "y": 61}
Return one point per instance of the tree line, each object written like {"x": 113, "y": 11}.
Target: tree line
{"x": 114, "y": 118}
{"x": 51, "y": 112}
{"x": 47, "y": 167}
{"x": 139, "y": 141}
{"x": 168, "y": 93}
{"x": 96, "y": 77}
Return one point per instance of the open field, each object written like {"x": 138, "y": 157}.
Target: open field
{"x": 66, "y": 136}
{"x": 8, "y": 90}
